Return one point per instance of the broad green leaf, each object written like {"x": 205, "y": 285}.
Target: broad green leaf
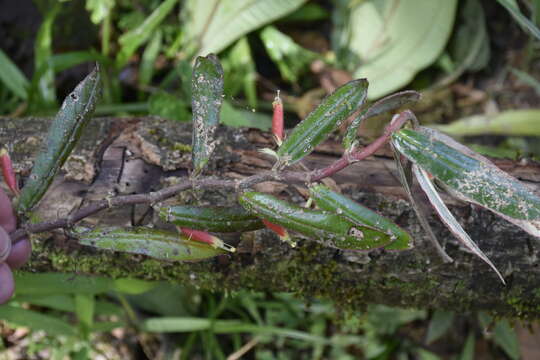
{"x": 133, "y": 286}
{"x": 64, "y": 132}
{"x": 331, "y": 201}
{"x": 211, "y": 218}
{"x": 511, "y": 122}
{"x": 389, "y": 41}
{"x": 212, "y": 25}
{"x": 168, "y": 106}
{"x": 12, "y": 77}
{"x": 291, "y": 59}
{"x": 506, "y": 338}
{"x": 321, "y": 122}
{"x": 235, "y": 117}
{"x": 440, "y": 322}
{"x": 207, "y": 96}
{"x": 446, "y": 216}
{"x": 386, "y": 104}
{"x": 131, "y": 40}
{"x": 159, "y": 244}
{"x": 332, "y": 229}
{"x": 36, "y": 321}
{"x": 527, "y": 24}
{"x": 471, "y": 177}
{"x": 56, "y": 284}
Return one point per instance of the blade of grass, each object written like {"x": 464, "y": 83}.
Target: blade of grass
{"x": 527, "y": 24}
{"x": 12, "y": 77}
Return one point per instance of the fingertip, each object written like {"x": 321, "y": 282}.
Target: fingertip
{"x": 7, "y": 217}
{"x": 7, "y": 284}
{"x": 20, "y": 253}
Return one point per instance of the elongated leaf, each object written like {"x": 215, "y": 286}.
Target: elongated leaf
{"x": 12, "y": 77}
{"x": 331, "y": 201}
{"x": 150, "y": 54}
{"x": 43, "y": 54}
{"x": 405, "y": 177}
{"x": 85, "y": 305}
{"x": 439, "y": 325}
{"x": 235, "y": 117}
{"x": 527, "y": 24}
{"x": 36, "y": 321}
{"x": 211, "y": 218}
{"x": 447, "y": 217}
{"x": 334, "y": 230}
{"x": 380, "y": 40}
{"x": 468, "y": 349}
{"x": 388, "y": 103}
{"x": 207, "y": 96}
{"x": 213, "y": 25}
{"x": 65, "y": 131}
{"x": 512, "y": 122}
{"x": 154, "y": 243}
{"x": 471, "y": 177}
{"x": 131, "y": 40}
{"x": 240, "y": 71}
{"x": 292, "y": 59}
{"x": 57, "y": 283}
{"x": 320, "y": 123}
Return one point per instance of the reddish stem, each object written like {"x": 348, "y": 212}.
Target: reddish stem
{"x": 351, "y": 157}
{"x": 7, "y": 171}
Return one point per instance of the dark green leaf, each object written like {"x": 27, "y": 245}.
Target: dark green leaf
{"x": 65, "y": 131}
{"x": 36, "y": 321}
{"x": 332, "y": 229}
{"x": 155, "y": 243}
{"x": 56, "y": 283}
{"x": 322, "y": 121}
{"x": 168, "y": 106}
{"x": 207, "y": 96}
{"x": 440, "y": 322}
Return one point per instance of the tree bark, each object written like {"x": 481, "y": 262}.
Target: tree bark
{"x": 138, "y": 155}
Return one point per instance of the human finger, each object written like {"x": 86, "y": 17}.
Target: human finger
{"x": 20, "y": 253}
{"x": 7, "y": 285}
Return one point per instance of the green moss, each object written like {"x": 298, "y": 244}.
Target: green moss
{"x": 182, "y": 147}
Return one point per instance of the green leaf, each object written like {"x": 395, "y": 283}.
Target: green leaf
{"x": 168, "y": 106}
{"x": 511, "y": 122}
{"x": 331, "y": 201}
{"x": 64, "y": 132}
{"x": 36, "y": 321}
{"x": 527, "y": 79}
{"x": 85, "y": 308}
{"x": 449, "y": 220}
{"x": 108, "y": 326}
{"x": 471, "y": 177}
{"x": 99, "y": 9}
{"x": 468, "y": 349}
{"x": 131, "y": 40}
{"x": 133, "y": 286}
{"x": 440, "y": 322}
{"x": 379, "y": 40}
{"x": 506, "y": 338}
{"x": 210, "y": 26}
{"x": 59, "y": 302}
{"x": 240, "y": 72}
{"x": 159, "y": 244}
{"x": 321, "y": 122}
{"x": 56, "y": 283}
{"x": 332, "y": 229}
{"x": 292, "y": 59}
{"x": 43, "y": 54}
{"x": 235, "y": 117}
{"x": 211, "y": 218}
{"x": 527, "y": 24}
{"x": 12, "y": 77}
{"x": 150, "y": 54}
{"x": 176, "y": 324}
{"x": 207, "y": 96}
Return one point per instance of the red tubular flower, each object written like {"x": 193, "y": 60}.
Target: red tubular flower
{"x": 280, "y": 231}
{"x": 277, "y": 119}
{"x": 7, "y": 171}
{"x": 205, "y": 237}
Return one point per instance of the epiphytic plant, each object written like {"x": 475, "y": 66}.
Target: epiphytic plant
{"x": 338, "y": 222}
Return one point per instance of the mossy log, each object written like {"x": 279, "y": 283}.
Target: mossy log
{"x": 137, "y": 155}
